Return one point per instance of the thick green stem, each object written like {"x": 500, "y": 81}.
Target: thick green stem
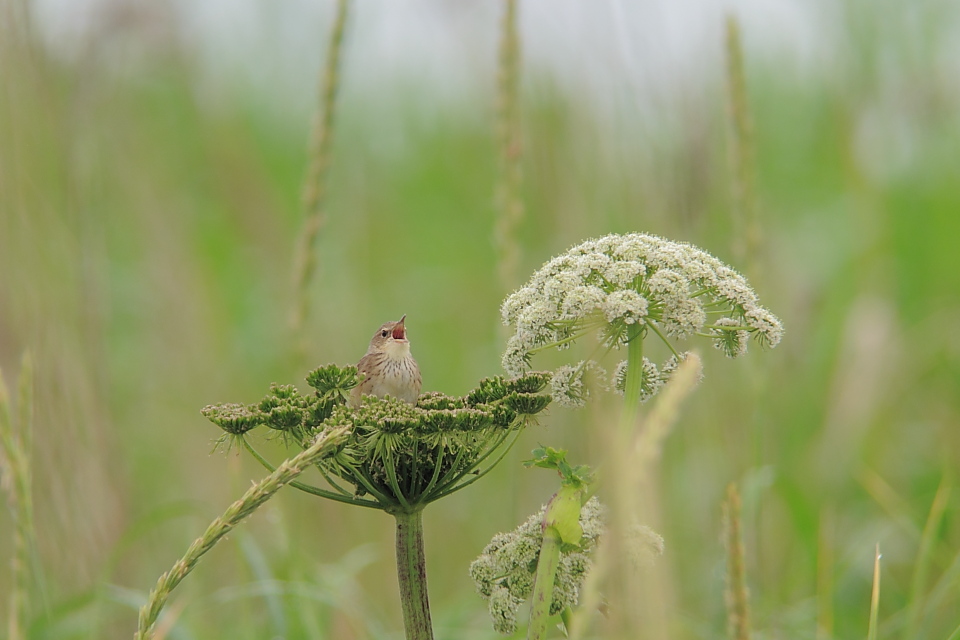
{"x": 634, "y": 383}
{"x": 543, "y": 586}
{"x": 412, "y": 575}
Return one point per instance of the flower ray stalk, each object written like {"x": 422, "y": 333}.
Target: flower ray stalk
{"x": 436, "y": 470}
{"x": 392, "y": 477}
{"x": 446, "y": 484}
{"x": 253, "y": 499}
{"x": 480, "y": 474}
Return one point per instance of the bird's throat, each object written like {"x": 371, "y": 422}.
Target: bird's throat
{"x": 396, "y": 350}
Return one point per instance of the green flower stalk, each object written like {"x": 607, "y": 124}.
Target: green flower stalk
{"x": 396, "y": 457}
{"x": 626, "y": 288}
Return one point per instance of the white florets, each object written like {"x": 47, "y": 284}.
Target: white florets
{"x": 569, "y": 385}
{"x": 768, "y": 326}
{"x": 581, "y": 302}
{"x": 626, "y": 305}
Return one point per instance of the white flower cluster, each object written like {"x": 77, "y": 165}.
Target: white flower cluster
{"x": 570, "y": 385}
{"x": 628, "y": 286}
{"x": 504, "y": 573}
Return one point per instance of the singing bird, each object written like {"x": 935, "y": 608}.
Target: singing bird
{"x": 388, "y": 366}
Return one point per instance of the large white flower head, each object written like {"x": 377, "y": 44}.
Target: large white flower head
{"x": 628, "y": 287}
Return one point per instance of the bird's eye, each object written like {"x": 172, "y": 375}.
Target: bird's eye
{"x": 383, "y": 334}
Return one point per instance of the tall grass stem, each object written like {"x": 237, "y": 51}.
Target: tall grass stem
{"x": 875, "y": 596}
{"x": 925, "y": 554}
{"x": 509, "y": 197}
{"x": 746, "y": 225}
{"x": 315, "y": 184}
{"x": 253, "y": 499}
{"x": 643, "y": 610}
{"x": 737, "y": 594}
{"x": 15, "y": 440}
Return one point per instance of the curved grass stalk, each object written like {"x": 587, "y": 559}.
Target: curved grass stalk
{"x": 253, "y": 499}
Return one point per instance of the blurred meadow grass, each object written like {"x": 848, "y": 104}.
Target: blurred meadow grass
{"x": 146, "y": 243}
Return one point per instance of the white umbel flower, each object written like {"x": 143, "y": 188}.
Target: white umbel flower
{"x": 630, "y": 287}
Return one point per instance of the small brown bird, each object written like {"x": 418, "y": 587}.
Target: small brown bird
{"x": 388, "y": 366}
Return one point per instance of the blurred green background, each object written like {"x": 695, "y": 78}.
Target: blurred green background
{"x": 148, "y": 215}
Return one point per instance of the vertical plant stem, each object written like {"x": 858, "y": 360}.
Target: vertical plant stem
{"x": 825, "y": 578}
{"x": 314, "y": 186}
{"x": 219, "y": 528}
{"x": 746, "y": 230}
{"x": 547, "y": 565}
{"x": 925, "y": 556}
{"x": 634, "y": 384}
{"x": 509, "y": 189}
{"x": 737, "y": 596}
{"x": 412, "y": 575}
{"x": 15, "y": 439}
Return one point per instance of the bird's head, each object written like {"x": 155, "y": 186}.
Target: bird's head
{"x": 391, "y": 338}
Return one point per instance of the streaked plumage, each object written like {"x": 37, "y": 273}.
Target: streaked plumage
{"x": 388, "y": 366}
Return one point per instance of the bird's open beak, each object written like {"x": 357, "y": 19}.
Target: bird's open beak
{"x": 400, "y": 331}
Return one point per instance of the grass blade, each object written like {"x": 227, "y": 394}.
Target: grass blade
{"x": 921, "y": 568}
{"x": 737, "y": 595}
{"x": 875, "y": 596}
{"x": 15, "y": 439}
